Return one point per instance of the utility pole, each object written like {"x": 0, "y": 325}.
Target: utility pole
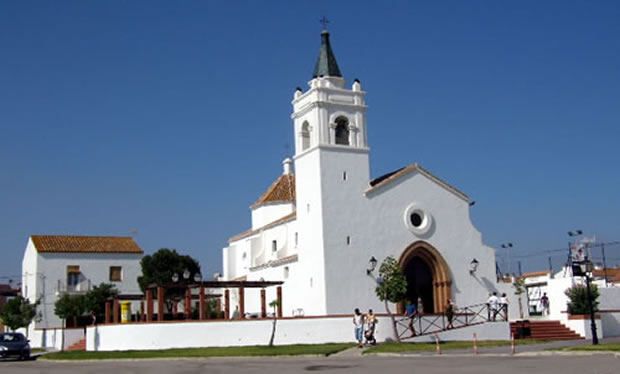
{"x": 550, "y": 267}
{"x": 604, "y": 263}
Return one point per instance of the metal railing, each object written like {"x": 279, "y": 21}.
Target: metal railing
{"x": 82, "y": 286}
{"x": 427, "y": 324}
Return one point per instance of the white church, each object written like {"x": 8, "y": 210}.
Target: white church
{"x": 318, "y": 225}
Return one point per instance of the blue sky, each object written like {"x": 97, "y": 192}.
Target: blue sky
{"x": 173, "y": 117}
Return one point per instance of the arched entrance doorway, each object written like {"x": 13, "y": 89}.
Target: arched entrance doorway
{"x": 428, "y": 276}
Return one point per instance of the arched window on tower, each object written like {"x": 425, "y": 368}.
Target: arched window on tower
{"x": 342, "y": 131}
{"x": 305, "y": 136}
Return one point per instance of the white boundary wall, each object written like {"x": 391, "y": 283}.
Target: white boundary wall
{"x": 146, "y": 336}
{"x": 52, "y": 338}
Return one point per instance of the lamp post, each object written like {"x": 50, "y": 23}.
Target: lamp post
{"x": 586, "y": 267}
{"x": 372, "y": 265}
{"x": 588, "y": 270}
{"x": 473, "y": 266}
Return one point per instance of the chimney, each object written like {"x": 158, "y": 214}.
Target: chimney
{"x": 287, "y": 164}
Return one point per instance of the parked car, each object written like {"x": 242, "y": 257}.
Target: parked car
{"x": 14, "y": 344}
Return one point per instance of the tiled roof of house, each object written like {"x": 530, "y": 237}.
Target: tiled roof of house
{"x": 397, "y": 174}
{"x": 613, "y": 274}
{"x": 85, "y": 244}
{"x": 532, "y": 274}
{"x": 280, "y": 191}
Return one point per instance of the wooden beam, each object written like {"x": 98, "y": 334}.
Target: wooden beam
{"x": 160, "y": 304}
{"x": 108, "y": 306}
{"x": 115, "y": 311}
{"x": 263, "y": 304}
{"x": 241, "y": 302}
{"x": 201, "y": 304}
{"x": 188, "y": 304}
{"x": 149, "y": 305}
{"x": 279, "y": 297}
{"x": 226, "y": 304}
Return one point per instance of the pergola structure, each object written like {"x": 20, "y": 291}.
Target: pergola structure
{"x": 157, "y": 293}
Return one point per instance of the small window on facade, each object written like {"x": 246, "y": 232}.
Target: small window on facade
{"x": 344, "y": 175}
{"x": 73, "y": 275}
{"x": 348, "y": 240}
{"x": 342, "y": 131}
{"x": 296, "y": 239}
{"x": 305, "y": 136}
{"x": 286, "y": 272}
{"x": 310, "y": 282}
{"x": 274, "y": 245}
{"x": 308, "y": 207}
{"x": 116, "y": 273}
{"x": 244, "y": 255}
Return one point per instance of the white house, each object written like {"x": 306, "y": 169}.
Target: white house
{"x": 317, "y": 226}
{"x": 57, "y": 264}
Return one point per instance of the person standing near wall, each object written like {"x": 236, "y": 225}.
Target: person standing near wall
{"x": 503, "y": 304}
{"x": 544, "y": 303}
{"x": 410, "y": 312}
{"x": 449, "y": 314}
{"x": 493, "y": 305}
{"x": 358, "y": 322}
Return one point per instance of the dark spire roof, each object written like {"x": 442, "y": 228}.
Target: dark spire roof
{"x": 326, "y": 65}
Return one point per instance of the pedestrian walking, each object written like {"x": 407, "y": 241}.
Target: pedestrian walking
{"x": 358, "y": 322}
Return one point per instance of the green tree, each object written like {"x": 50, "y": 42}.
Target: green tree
{"x": 391, "y": 287}
{"x": 18, "y": 312}
{"x": 274, "y": 304}
{"x": 95, "y": 299}
{"x": 159, "y": 267}
{"x": 578, "y": 299}
{"x": 70, "y": 307}
{"x": 519, "y": 286}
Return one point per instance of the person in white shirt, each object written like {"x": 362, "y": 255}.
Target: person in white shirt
{"x": 503, "y": 304}
{"x": 358, "y": 322}
{"x": 493, "y": 305}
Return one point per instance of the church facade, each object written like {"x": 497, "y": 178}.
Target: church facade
{"x": 318, "y": 225}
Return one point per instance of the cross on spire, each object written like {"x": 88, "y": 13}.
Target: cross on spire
{"x": 324, "y": 21}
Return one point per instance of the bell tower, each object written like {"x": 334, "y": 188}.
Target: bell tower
{"x": 328, "y": 113}
{"x": 331, "y": 167}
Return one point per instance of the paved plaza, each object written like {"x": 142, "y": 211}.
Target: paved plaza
{"x": 547, "y": 363}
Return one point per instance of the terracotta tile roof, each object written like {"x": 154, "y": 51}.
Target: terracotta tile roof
{"x": 85, "y": 244}
{"x": 532, "y": 274}
{"x": 245, "y": 234}
{"x": 281, "y": 191}
{"x": 613, "y": 274}
{"x": 397, "y": 174}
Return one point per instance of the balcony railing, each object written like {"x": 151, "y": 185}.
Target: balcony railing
{"x": 81, "y": 286}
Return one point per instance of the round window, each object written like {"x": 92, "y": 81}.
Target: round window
{"x": 416, "y": 219}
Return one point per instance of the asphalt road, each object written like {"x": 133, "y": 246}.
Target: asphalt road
{"x": 593, "y": 364}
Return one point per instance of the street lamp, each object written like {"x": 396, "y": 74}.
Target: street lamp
{"x": 197, "y": 277}
{"x": 585, "y": 266}
{"x": 186, "y": 274}
{"x": 372, "y": 265}
{"x": 175, "y": 277}
{"x": 473, "y": 266}
{"x": 575, "y": 233}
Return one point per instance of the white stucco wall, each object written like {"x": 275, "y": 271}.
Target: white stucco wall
{"x": 52, "y": 339}
{"x": 583, "y": 327}
{"x": 45, "y": 276}
{"x": 145, "y": 336}
{"x": 377, "y": 228}
{"x": 267, "y": 213}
